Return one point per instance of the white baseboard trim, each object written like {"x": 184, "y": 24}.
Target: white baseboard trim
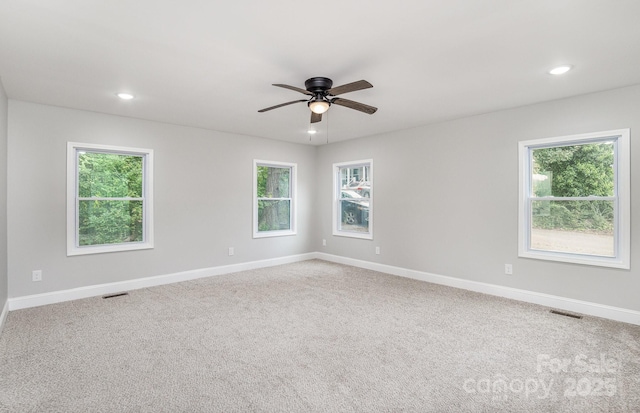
{"x": 3, "y": 315}
{"x": 36, "y": 300}
{"x": 547, "y": 300}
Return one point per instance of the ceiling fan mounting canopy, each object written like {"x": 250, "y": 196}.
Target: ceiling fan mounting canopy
{"x": 323, "y": 95}
{"x": 318, "y": 84}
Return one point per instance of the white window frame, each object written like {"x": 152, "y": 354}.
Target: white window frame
{"x": 337, "y": 186}
{"x": 73, "y": 200}
{"x": 293, "y": 168}
{"x": 621, "y": 198}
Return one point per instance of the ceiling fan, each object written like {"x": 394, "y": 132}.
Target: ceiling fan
{"x": 323, "y": 96}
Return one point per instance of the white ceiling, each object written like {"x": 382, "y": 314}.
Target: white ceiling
{"x": 210, "y": 64}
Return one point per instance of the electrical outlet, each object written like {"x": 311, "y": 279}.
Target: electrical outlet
{"x": 508, "y": 269}
{"x": 324, "y": 242}
{"x": 377, "y": 250}
{"x": 231, "y": 251}
{"x": 36, "y": 275}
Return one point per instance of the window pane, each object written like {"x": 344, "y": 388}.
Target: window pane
{"x": 573, "y": 171}
{"x": 355, "y": 215}
{"x": 352, "y": 199}
{"x": 579, "y": 227}
{"x": 109, "y": 222}
{"x": 273, "y": 182}
{"x": 109, "y": 175}
{"x": 274, "y": 215}
{"x": 355, "y": 179}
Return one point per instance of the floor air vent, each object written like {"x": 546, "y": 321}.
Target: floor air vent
{"x": 579, "y": 317}
{"x": 115, "y": 295}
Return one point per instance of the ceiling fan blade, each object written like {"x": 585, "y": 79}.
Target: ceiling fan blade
{"x": 281, "y": 105}
{"x": 349, "y": 87}
{"x": 316, "y": 117}
{"x": 297, "y": 89}
{"x": 354, "y": 105}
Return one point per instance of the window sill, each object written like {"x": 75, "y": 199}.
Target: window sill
{"x": 348, "y": 234}
{"x": 577, "y": 259}
{"x": 270, "y": 234}
{"x": 103, "y": 249}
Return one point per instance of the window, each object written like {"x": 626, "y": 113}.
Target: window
{"x": 109, "y": 199}
{"x": 273, "y": 198}
{"x": 353, "y": 199}
{"x": 574, "y": 199}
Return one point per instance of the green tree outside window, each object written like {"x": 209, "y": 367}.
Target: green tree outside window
{"x": 110, "y": 198}
{"x": 274, "y": 198}
{"x": 584, "y": 170}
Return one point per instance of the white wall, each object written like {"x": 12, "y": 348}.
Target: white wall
{"x": 202, "y": 190}
{"x": 446, "y": 197}
{"x": 3, "y": 198}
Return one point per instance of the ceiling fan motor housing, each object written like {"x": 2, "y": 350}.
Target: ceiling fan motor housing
{"x": 318, "y": 85}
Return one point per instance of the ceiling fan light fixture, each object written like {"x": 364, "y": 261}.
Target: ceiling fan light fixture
{"x": 319, "y": 106}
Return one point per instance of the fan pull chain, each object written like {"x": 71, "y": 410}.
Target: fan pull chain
{"x": 327, "y": 127}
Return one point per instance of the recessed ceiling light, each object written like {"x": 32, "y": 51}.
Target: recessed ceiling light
{"x": 560, "y": 70}
{"x": 311, "y": 132}
{"x": 125, "y": 96}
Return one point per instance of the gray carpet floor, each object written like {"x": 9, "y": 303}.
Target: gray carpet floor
{"x": 313, "y": 337}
